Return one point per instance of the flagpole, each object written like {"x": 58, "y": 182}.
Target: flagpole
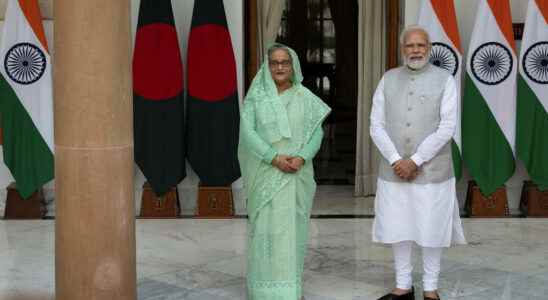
{"x": 95, "y": 227}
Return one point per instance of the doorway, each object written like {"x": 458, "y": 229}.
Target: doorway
{"x": 324, "y": 33}
{"x": 328, "y": 49}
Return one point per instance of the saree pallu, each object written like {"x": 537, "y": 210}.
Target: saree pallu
{"x": 278, "y": 237}
{"x": 278, "y": 203}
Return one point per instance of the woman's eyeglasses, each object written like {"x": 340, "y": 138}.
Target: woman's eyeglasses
{"x": 283, "y": 63}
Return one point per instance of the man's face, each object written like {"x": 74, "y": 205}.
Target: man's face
{"x": 416, "y": 50}
{"x": 280, "y": 66}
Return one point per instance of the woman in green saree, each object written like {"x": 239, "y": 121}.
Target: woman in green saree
{"x": 280, "y": 133}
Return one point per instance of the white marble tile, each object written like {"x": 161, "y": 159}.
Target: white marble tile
{"x": 26, "y": 260}
{"x": 329, "y": 200}
{"x": 205, "y": 259}
{"x": 330, "y": 286}
{"x": 339, "y": 200}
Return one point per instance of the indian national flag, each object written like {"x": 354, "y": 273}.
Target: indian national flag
{"x": 26, "y": 102}
{"x": 489, "y": 101}
{"x": 439, "y": 19}
{"x": 532, "y": 104}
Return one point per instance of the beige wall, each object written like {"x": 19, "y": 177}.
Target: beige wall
{"x": 466, "y": 14}
{"x": 183, "y": 14}
{"x": 46, "y": 6}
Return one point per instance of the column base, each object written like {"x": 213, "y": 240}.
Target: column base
{"x": 33, "y": 207}
{"x": 154, "y": 207}
{"x": 215, "y": 202}
{"x": 533, "y": 203}
{"x": 491, "y": 206}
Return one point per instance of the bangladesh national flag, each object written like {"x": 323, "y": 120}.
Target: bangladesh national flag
{"x": 26, "y": 98}
{"x": 438, "y": 17}
{"x": 213, "y": 114}
{"x": 158, "y": 97}
{"x": 532, "y": 103}
{"x": 489, "y": 101}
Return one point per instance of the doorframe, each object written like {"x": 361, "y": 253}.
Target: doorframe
{"x": 393, "y": 26}
{"x": 251, "y": 56}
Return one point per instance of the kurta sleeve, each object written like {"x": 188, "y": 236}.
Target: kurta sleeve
{"x": 249, "y": 136}
{"x": 377, "y": 129}
{"x": 432, "y": 144}
{"x": 309, "y": 150}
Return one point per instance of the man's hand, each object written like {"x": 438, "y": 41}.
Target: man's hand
{"x": 413, "y": 176}
{"x": 296, "y": 163}
{"x": 405, "y": 169}
{"x": 283, "y": 163}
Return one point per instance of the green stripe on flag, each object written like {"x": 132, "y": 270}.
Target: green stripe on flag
{"x": 532, "y": 134}
{"x": 486, "y": 152}
{"x": 26, "y": 154}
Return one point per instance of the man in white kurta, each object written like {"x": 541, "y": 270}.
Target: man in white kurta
{"x": 413, "y": 119}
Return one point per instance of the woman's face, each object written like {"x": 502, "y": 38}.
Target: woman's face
{"x": 280, "y": 66}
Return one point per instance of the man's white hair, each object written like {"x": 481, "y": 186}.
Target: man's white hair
{"x": 414, "y": 28}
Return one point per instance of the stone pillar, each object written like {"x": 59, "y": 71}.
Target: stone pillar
{"x": 95, "y": 227}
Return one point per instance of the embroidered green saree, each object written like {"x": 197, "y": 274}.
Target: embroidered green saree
{"x": 278, "y": 203}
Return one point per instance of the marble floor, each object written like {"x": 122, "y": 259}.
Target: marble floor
{"x": 506, "y": 259}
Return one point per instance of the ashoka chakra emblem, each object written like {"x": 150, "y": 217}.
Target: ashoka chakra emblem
{"x": 443, "y": 56}
{"x": 535, "y": 62}
{"x": 25, "y": 63}
{"x": 491, "y": 63}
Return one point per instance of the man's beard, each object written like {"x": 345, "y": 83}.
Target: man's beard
{"x": 416, "y": 64}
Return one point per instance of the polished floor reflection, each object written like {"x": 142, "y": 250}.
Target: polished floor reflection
{"x": 205, "y": 259}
